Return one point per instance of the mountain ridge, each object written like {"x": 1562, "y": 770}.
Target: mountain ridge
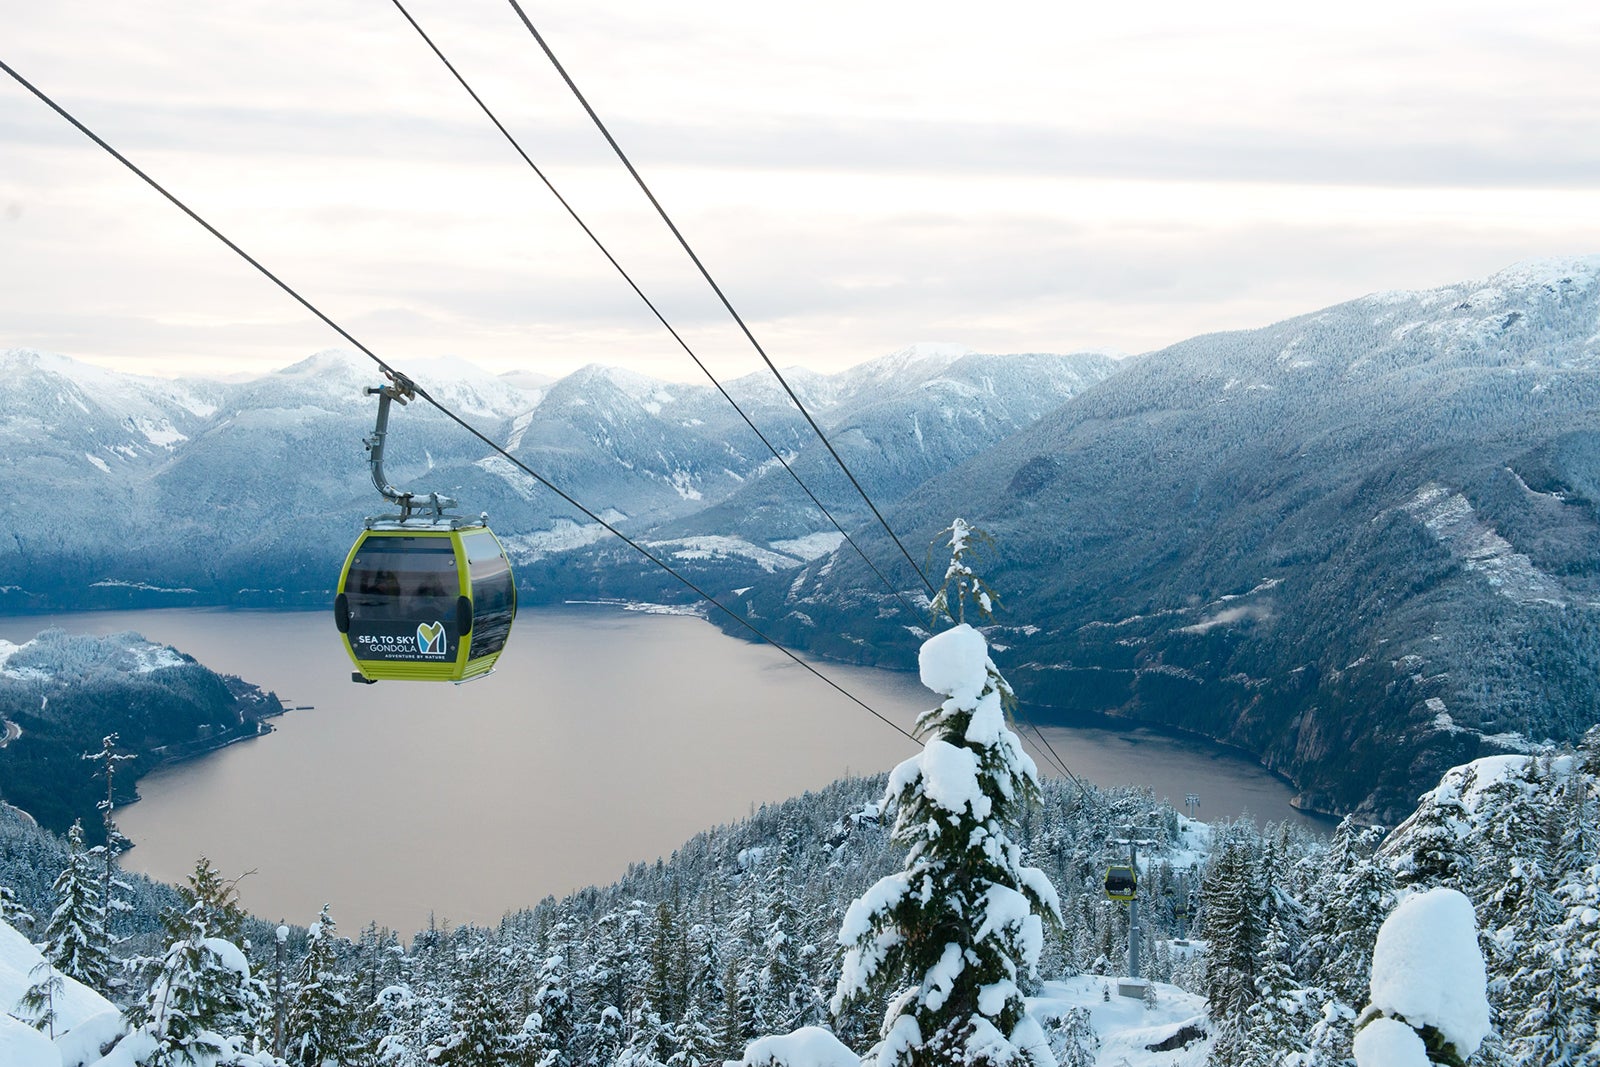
{"x": 1359, "y": 543}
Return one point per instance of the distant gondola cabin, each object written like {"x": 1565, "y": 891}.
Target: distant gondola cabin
{"x": 1121, "y": 883}
{"x": 421, "y": 601}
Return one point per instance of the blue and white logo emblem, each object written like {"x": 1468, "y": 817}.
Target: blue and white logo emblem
{"x": 430, "y": 639}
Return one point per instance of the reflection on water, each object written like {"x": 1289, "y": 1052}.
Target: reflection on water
{"x": 603, "y": 738}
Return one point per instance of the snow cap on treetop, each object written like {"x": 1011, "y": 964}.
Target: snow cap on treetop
{"x": 955, "y": 663}
{"x": 1427, "y": 968}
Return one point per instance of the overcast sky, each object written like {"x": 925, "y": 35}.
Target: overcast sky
{"x": 858, "y": 176}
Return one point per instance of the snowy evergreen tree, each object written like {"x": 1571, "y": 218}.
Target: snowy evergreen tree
{"x": 668, "y": 975}
{"x": 319, "y": 1024}
{"x": 1579, "y": 941}
{"x": 606, "y": 1037}
{"x": 75, "y": 938}
{"x": 786, "y": 998}
{"x": 707, "y": 995}
{"x": 1073, "y": 1039}
{"x": 12, "y": 913}
{"x": 212, "y": 901}
{"x": 480, "y": 1027}
{"x": 201, "y": 1001}
{"x": 952, "y": 935}
{"x": 693, "y": 1041}
{"x": 1274, "y": 1026}
{"x": 38, "y": 1002}
{"x": 548, "y": 1028}
{"x": 1437, "y": 853}
{"x": 201, "y": 1004}
{"x": 1230, "y": 920}
{"x": 112, "y": 889}
{"x": 1363, "y": 896}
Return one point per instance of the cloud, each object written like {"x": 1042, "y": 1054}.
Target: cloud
{"x": 1039, "y": 180}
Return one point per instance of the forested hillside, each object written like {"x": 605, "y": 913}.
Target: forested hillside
{"x": 1363, "y": 544}
{"x": 65, "y": 694}
{"x": 735, "y": 935}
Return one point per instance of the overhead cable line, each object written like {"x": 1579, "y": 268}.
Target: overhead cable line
{"x": 442, "y": 408}
{"x": 706, "y": 274}
{"x": 548, "y": 184}
{"x": 750, "y": 336}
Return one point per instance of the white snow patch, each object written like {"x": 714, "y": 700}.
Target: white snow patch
{"x": 105, "y": 468}
{"x": 717, "y": 547}
{"x": 1390, "y": 1043}
{"x": 75, "y": 1005}
{"x": 117, "y": 583}
{"x": 82, "y": 1044}
{"x": 1428, "y": 970}
{"x": 519, "y": 427}
{"x": 23, "y": 1046}
{"x": 1451, "y": 519}
{"x": 563, "y": 536}
{"x": 696, "y": 610}
{"x": 809, "y": 1046}
{"x": 1579, "y": 271}
{"x": 682, "y": 482}
{"x": 152, "y": 657}
{"x": 811, "y": 546}
{"x": 950, "y": 778}
{"x": 161, "y": 434}
{"x": 1125, "y": 1028}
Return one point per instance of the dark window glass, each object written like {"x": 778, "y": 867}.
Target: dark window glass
{"x": 403, "y": 578}
{"x": 494, "y": 597}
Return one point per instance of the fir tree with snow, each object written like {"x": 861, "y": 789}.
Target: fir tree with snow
{"x": 75, "y": 938}
{"x": 952, "y": 935}
{"x": 1230, "y": 920}
{"x": 1274, "y": 1026}
{"x": 12, "y": 912}
{"x": 781, "y": 985}
{"x": 480, "y": 1028}
{"x": 318, "y": 1024}
{"x": 112, "y": 889}
{"x": 202, "y": 1005}
{"x": 547, "y": 1031}
{"x": 693, "y": 1041}
{"x": 707, "y": 994}
{"x": 38, "y": 1003}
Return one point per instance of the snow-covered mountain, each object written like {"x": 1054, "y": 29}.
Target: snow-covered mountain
{"x": 1363, "y": 543}
{"x": 249, "y": 492}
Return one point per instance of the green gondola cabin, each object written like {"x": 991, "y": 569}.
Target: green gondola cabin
{"x": 1122, "y": 884}
{"x": 425, "y": 601}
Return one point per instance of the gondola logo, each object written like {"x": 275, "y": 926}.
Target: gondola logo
{"x": 430, "y": 638}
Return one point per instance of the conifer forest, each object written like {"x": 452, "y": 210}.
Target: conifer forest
{"x": 689, "y": 959}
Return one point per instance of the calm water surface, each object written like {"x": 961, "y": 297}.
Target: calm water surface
{"x": 603, "y": 738}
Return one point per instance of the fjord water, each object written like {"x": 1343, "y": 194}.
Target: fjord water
{"x": 603, "y": 738}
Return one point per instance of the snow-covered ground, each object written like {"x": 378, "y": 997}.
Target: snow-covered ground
{"x": 1128, "y": 1030}
{"x": 84, "y": 1019}
{"x": 1167, "y": 1029}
